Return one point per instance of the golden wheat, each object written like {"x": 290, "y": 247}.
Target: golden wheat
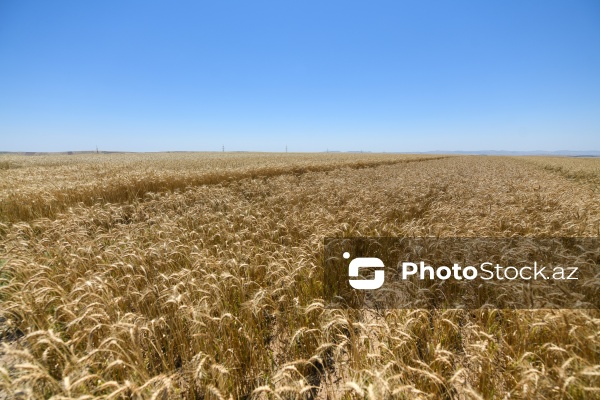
{"x": 202, "y": 281}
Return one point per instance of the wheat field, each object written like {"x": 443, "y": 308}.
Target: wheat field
{"x": 196, "y": 276}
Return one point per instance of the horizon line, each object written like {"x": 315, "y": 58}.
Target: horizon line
{"x": 595, "y": 152}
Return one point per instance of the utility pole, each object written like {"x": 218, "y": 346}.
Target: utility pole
{"x": 223, "y": 148}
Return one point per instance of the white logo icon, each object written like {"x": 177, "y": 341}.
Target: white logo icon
{"x": 365, "y": 262}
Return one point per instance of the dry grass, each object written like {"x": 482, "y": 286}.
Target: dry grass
{"x": 212, "y": 291}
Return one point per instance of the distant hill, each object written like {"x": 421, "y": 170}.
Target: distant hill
{"x": 563, "y": 153}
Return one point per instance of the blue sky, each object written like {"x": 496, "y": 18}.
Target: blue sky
{"x": 313, "y": 75}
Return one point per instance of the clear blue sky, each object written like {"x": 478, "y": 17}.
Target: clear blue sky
{"x": 257, "y": 75}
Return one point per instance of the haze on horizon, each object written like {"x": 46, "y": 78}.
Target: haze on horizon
{"x": 257, "y": 76}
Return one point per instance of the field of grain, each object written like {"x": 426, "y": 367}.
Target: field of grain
{"x": 194, "y": 276}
